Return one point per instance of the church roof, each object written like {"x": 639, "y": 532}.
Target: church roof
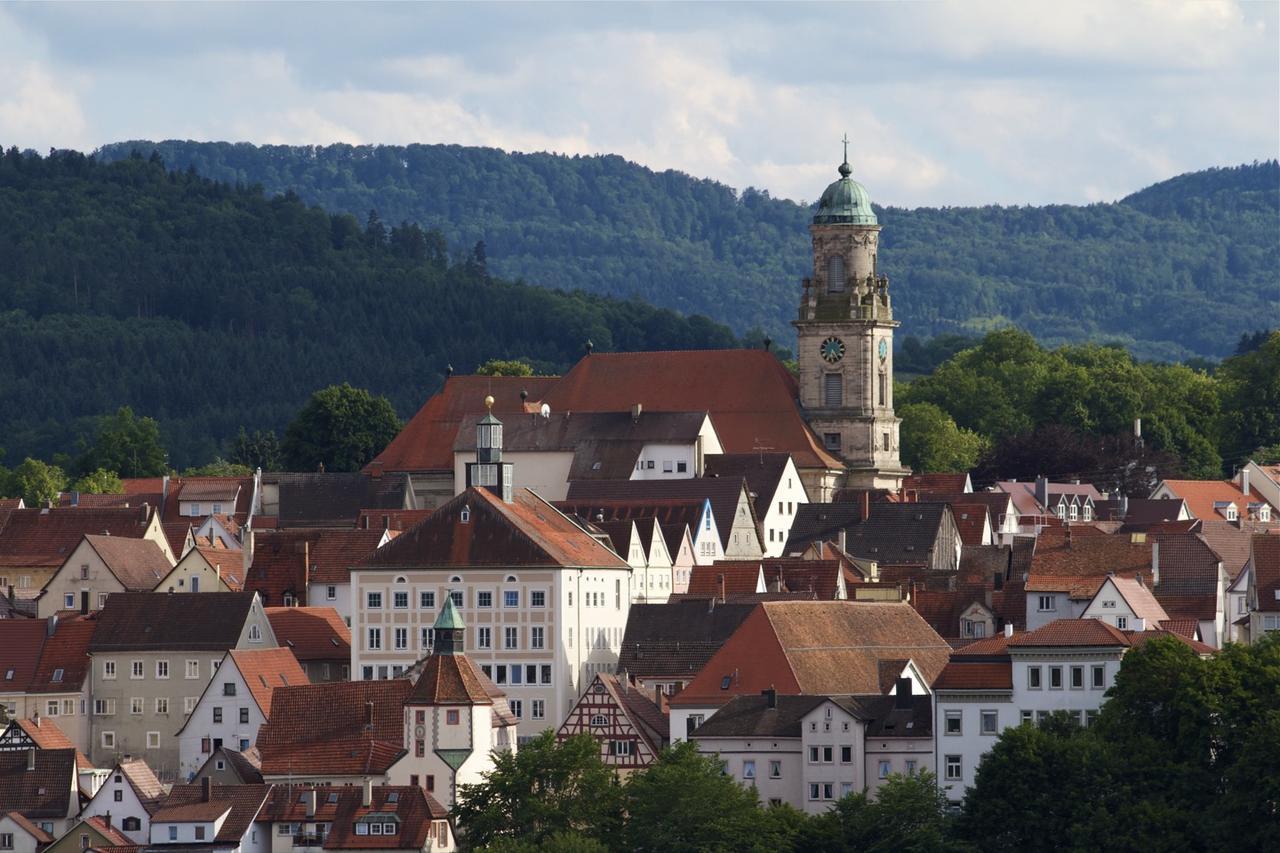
{"x": 845, "y": 202}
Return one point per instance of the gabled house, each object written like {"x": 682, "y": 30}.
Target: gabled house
{"x": 232, "y": 767}
{"x": 152, "y": 657}
{"x": 641, "y": 544}
{"x": 814, "y": 648}
{"x": 679, "y": 543}
{"x": 1263, "y": 593}
{"x": 311, "y": 567}
{"x": 1125, "y": 603}
{"x": 1239, "y": 501}
{"x": 890, "y": 534}
{"x": 775, "y": 485}
{"x": 41, "y": 786}
{"x": 220, "y": 818}
{"x": 1039, "y": 502}
{"x": 91, "y": 833}
{"x": 726, "y": 578}
{"x": 21, "y": 835}
{"x": 322, "y": 499}
{"x": 205, "y": 567}
{"x": 42, "y": 733}
{"x": 34, "y": 543}
{"x": 730, "y": 502}
{"x": 695, "y": 518}
{"x": 99, "y": 566}
{"x": 631, "y": 727}
{"x": 318, "y": 638}
{"x": 234, "y": 704}
{"x": 365, "y": 817}
{"x": 666, "y": 645}
{"x": 44, "y": 672}
{"x": 130, "y": 795}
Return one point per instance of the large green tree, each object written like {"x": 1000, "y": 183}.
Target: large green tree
{"x": 685, "y": 802}
{"x": 36, "y": 482}
{"x": 341, "y": 428}
{"x": 1251, "y": 397}
{"x": 127, "y": 444}
{"x": 99, "y": 482}
{"x": 908, "y": 813}
{"x": 932, "y": 443}
{"x": 547, "y": 789}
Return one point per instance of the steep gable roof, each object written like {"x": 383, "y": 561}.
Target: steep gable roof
{"x": 1140, "y": 600}
{"x": 242, "y": 802}
{"x": 1229, "y": 542}
{"x": 936, "y": 486}
{"x": 426, "y": 442}
{"x": 897, "y": 534}
{"x": 21, "y": 641}
{"x": 265, "y": 670}
{"x": 335, "y": 727}
{"x": 137, "y": 621}
{"x": 817, "y": 647}
{"x": 526, "y": 532}
{"x": 971, "y": 521}
{"x": 1207, "y": 498}
{"x": 1188, "y": 583}
{"x": 138, "y": 564}
{"x": 1266, "y": 571}
{"x": 724, "y": 493}
{"x": 63, "y": 663}
{"x": 142, "y": 779}
{"x": 44, "y": 537}
{"x": 762, "y": 471}
{"x": 311, "y": 633}
{"x": 750, "y": 395}
{"x": 42, "y": 792}
{"x": 45, "y": 734}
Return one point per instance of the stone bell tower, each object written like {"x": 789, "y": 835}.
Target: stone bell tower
{"x": 845, "y": 337}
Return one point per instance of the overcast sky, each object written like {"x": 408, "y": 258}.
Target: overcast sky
{"x": 964, "y": 103}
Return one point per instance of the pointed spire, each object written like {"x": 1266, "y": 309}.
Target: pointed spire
{"x": 449, "y": 629}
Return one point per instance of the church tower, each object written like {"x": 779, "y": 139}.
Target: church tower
{"x": 845, "y": 336}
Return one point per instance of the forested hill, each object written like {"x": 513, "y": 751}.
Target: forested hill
{"x": 1177, "y": 270}
{"x": 210, "y": 307}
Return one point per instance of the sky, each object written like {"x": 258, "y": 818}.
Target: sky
{"x": 975, "y": 102}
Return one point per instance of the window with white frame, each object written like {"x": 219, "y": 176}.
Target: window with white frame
{"x": 1055, "y": 678}
{"x": 1033, "y": 678}
{"x": 1122, "y": 622}
{"x": 484, "y": 638}
{"x": 1099, "y": 676}
{"x": 1048, "y": 603}
{"x": 400, "y": 599}
{"x": 375, "y": 638}
{"x": 511, "y": 598}
{"x": 1077, "y": 678}
{"x": 990, "y": 722}
{"x": 108, "y": 740}
{"x": 884, "y": 769}
{"x": 484, "y": 598}
{"x": 427, "y": 600}
{"x": 953, "y": 720}
{"x": 108, "y": 670}
{"x": 537, "y": 637}
{"x": 748, "y": 766}
{"x": 953, "y": 768}
{"x": 775, "y": 769}
{"x": 153, "y": 740}
{"x": 510, "y": 636}
{"x": 373, "y": 600}
{"x": 538, "y": 709}
{"x": 136, "y": 669}
{"x": 401, "y": 638}
{"x": 136, "y": 705}
{"x": 162, "y": 669}
{"x": 193, "y": 669}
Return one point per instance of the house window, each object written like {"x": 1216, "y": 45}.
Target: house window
{"x": 815, "y": 791}
{"x": 193, "y": 669}
{"x": 884, "y": 388}
{"x": 484, "y": 638}
{"x": 255, "y": 634}
{"x": 427, "y": 600}
{"x": 835, "y": 274}
{"x": 668, "y": 466}
{"x": 244, "y": 716}
{"x": 6, "y": 841}
{"x": 217, "y": 714}
{"x": 1026, "y": 716}
{"x": 884, "y": 769}
{"x": 118, "y": 795}
{"x": 1090, "y": 716}
{"x": 69, "y": 601}
{"x": 953, "y": 722}
{"x": 199, "y": 832}
{"x": 400, "y": 600}
{"x": 775, "y": 769}
{"x": 1099, "y": 676}
{"x": 538, "y": 598}
{"x": 135, "y": 670}
{"x": 884, "y": 441}
{"x": 108, "y": 740}
{"x": 683, "y": 468}
{"x": 102, "y": 600}
{"x": 846, "y": 755}
{"x": 109, "y": 669}
{"x": 538, "y": 709}
{"x": 162, "y": 705}
{"x": 401, "y": 637}
{"x": 953, "y": 768}
{"x": 1033, "y": 678}
{"x": 374, "y": 600}
{"x": 990, "y": 721}
{"x": 484, "y": 598}
{"x": 137, "y": 705}
{"x": 153, "y": 740}
{"x": 162, "y": 669}
{"x": 1122, "y": 622}
{"x": 833, "y": 390}
{"x": 1055, "y": 678}
{"x": 692, "y": 723}
{"x": 375, "y": 638}
{"x": 748, "y": 766}
{"x": 331, "y": 593}
{"x": 537, "y": 637}
{"x": 910, "y": 766}
{"x": 1048, "y": 603}
{"x": 451, "y": 717}
{"x": 456, "y": 595}
{"x": 229, "y": 688}
{"x": 546, "y": 673}
{"x": 831, "y": 441}
{"x": 511, "y": 598}
{"x": 173, "y": 832}
{"x": 1077, "y": 678}
{"x": 509, "y": 638}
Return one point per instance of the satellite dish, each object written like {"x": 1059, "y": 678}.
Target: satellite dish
{"x": 546, "y": 410}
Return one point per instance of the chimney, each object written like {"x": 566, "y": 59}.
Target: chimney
{"x": 770, "y": 698}
{"x": 1244, "y": 482}
{"x": 206, "y": 789}
{"x": 51, "y": 626}
{"x": 164, "y": 490}
{"x": 1155, "y": 563}
{"x": 368, "y": 718}
{"x": 306, "y": 567}
{"x": 35, "y": 718}
{"x": 842, "y": 540}
{"x": 366, "y": 796}
{"x": 902, "y": 699}
{"x": 636, "y": 411}
{"x": 31, "y": 758}
{"x": 106, "y": 819}
{"x": 1124, "y": 506}
{"x": 1042, "y": 491}
{"x": 1008, "y": 629}
{"x": 1067, "y": 536}
{"x": 864, "y": 511}
{"x": 311, "y": 802}
{"x": 720, "y": 577}
{"x": 375, "y": 470}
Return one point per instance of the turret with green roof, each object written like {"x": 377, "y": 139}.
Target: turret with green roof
{"x": 450, "y": 630}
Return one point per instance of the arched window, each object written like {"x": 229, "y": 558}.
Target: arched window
{"x": 835, "y": 274}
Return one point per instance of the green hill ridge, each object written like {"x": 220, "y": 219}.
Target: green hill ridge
{"x": 211, "y": 307}
{"x": 1177, "y": 270}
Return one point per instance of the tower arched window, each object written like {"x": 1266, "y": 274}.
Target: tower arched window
{"x": 835, "y": 274}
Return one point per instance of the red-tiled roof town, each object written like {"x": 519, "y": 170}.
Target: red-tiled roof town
{"x": 311, "y": 633}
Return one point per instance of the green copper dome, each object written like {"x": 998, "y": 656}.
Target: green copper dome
{"x": 845, "y": 202}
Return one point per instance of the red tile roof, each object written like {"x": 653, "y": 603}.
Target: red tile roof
{"x": 45, "y": 733}
{"x": 1229, "y": 542}
{"x": 453, "y": 680}
{"x": 331, "y": 552}
{"x": 66, "y": 650}
{"x": 30, "y": 828}
{"x": 341, "y": 808}
{"x": 321, "y": 728}
{"x": 110, "y": 832}
{"x": 311, "y": 633}
{"x": 21, "y": 641}
{"x": 526, "y": 532}
{"x": 749, "y": 394}
{"x": 816, "y": 647}
{"x": 1266, "y": 572}
{"x": 148, "y": 789}
{"x": 1202, "y": 495}
{"x": 740, "y": 577}
{"x": 934, "y": 486}
{"x": 227, "y": 562}
{"x": 975, "y": 675}
{"x": 426, "y": 442}
{"x": 1188, "y": 584}
{"x": 1071, "y": 632}
{"x": 266, "y": 670}
{"x": 138, "y": 564}
{"x": 45, "y": 537}
{"x": 1140, "y": 600}
{"x": 244, "y": 802}
{"x": 281, "y": 570}
{"x": 971, "y": 521}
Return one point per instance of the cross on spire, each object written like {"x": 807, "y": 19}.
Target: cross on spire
{"x": 846, "y": 147}
{"x": 845, "y": 170}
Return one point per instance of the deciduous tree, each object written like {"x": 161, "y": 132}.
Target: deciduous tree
{"x": 341, "y": 428}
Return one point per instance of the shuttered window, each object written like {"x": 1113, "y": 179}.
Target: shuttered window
{"x": 833, "y": 390}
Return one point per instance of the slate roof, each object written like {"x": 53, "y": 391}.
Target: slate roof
{"x": 817, "y": 647}
{"x": 820, "y": 521}
{"x": 44, "y": 792}
{"x": 749, "y": 716}
{"x": 321, "y": 728}
{"x": 566, "y": 431}
{"x": 885, "y": 718}
{"x": 897, "y": 533}
{"x": 426, "y": 442}
{"x": 33, "y": 538}
{"x": 341, "y": 807}
{"x": 311, "y": 633}
{"x": 1138, "y": 511}
{"x": 244, "y": 802}
{"x": 1266, "y": 571}
{"x": 751, "y": 397}
{"x": 762, "y": 471}
{"x": 335, "y": 499}
{"x": 394, "y": 520}
{"x": 526, "y": 532}
{"x": 138, "y": 564}
{"x": 674, "y": 517}
{"x": 724, "y": 493}
{"x": 138, "y": 621}
{"x": 676, "y": 640}
{"x": 985, "y": 562}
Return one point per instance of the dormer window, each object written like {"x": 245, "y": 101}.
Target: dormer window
{"x": 1232, "y": 514}
{"x": 465, "y": 515}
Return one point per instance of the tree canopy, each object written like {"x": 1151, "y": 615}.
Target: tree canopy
{"x": 340, "y": 428}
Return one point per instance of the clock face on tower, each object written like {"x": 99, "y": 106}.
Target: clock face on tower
{"x": 884, "y": 349}
{"x": 832, "y": 350}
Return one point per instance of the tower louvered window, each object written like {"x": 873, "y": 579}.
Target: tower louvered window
{"x": 835, "y": 274}
{"x": 833, "y": 390}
